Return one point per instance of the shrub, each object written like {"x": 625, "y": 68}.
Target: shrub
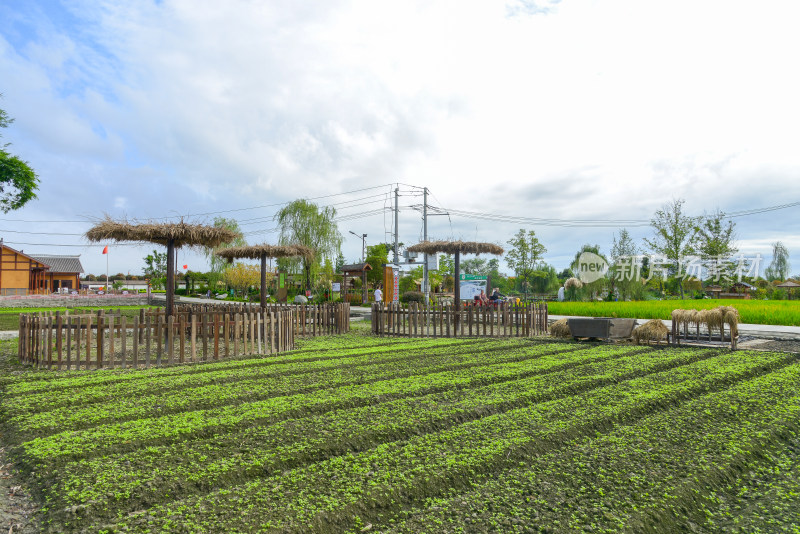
{"x": 412, "y": 296}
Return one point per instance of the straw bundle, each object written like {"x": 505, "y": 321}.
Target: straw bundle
{"x": 730, "y": 317}
{"x": 270, "y": 251}
{"x": 652, "y": 330}
{"x": 560, "y": 328}
{"x": 451, "y": 247}
{"x": 573, "y": 282}
{"x": 181, "y": 234}
{"x": 713, "y": 319}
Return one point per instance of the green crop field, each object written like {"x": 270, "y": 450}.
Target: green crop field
{"x": 361, "y": 434}
{"x": 9, "y": 317}
{"x": 780, "y": 312}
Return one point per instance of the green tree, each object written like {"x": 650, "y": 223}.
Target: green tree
{"x": 622, "y": 273}
{"x": 18, "y": 181}
{"x": 590, "y": 289}
{"x": 674, "y": 237}
{"x": 544, "y": 279}
{"x": 476, "y": 266}
{"x": 219, "y": 265}
{"x": 155, "y": 265}
{"x": 377, "y": 257}
{"x": 340, "y": 261}
{"x": 716, "y": 236}
{"x": 447, "y": 271}
{"x": 779, "y": 267}
{"x": 304, "y": 223}
{"x": 525, "y": 253}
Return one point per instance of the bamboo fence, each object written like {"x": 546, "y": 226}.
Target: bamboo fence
{"x": 416, "y": 320}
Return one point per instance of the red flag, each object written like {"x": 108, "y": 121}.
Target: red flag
{"x": 105, "y": 250}
{"x": 185, "y": 266}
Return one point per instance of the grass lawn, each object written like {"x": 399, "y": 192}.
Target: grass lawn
{"x": 779, "y": 312}
{"x": 361, "y": 434}
{"x": 9, "y": 317}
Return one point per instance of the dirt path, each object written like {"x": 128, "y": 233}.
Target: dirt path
{"x": 16, "y": 507}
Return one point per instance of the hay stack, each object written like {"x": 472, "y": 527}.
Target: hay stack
{"x": 560, "y": 328}
{"x": 573, "y": 282}
{"x": 652, "y": 330}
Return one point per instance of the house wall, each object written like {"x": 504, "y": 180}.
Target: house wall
{"x": 15, "y": 272}
{"x": 59, "y": 279}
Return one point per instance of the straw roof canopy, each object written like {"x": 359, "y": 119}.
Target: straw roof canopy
{"x": 451, "y": 247}
{"x": 270, "y": 251}
{"x": 181, "y": 234}
{"x": 788, "y": 284}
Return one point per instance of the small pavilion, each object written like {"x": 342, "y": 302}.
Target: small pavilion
{"x": 789, "y": 286}
{"x": 356, "y": 270}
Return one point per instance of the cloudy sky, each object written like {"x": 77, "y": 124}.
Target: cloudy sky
{"x": 560, "y": 110}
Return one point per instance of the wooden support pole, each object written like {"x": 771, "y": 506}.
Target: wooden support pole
{"x": 171, "y": 339}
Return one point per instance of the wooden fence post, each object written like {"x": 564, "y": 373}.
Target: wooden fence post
{"x": 100, "y": 340}
{"x": 194, "y": 338}
{"x": 123, "y": 341}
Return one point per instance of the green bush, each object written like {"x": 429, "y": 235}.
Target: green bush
{"x": 412, "y": 296}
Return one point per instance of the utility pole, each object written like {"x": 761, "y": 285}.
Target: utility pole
{"x": 396, "y": 212}
{"x": 425, "y": 288}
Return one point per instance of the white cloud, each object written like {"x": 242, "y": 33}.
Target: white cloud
{"x": 573, "y": 109}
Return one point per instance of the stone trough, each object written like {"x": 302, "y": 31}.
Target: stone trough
{"x": 601, "y": 327}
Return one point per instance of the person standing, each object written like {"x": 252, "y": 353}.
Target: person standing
{"x": 378, "y": 294}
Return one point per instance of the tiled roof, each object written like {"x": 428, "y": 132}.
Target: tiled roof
{"x": 61, "y": 264}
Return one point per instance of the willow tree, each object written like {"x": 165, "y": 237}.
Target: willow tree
{"x": 304, "y": 223}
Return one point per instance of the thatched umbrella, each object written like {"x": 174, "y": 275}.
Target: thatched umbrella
{"x": 788, "y": 285}
{"x": 171, "y": 235}
{"x": 263, "y": 252}
{"x": 456, "y": 248}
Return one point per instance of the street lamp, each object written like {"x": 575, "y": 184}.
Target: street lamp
{"x": 363, "y": 238}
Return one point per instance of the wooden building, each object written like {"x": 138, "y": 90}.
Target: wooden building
{"x": 28, "y": 274}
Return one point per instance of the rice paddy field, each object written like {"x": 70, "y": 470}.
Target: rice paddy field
{"x": 362, "y": 434}
{"x": 779, "y": 312}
